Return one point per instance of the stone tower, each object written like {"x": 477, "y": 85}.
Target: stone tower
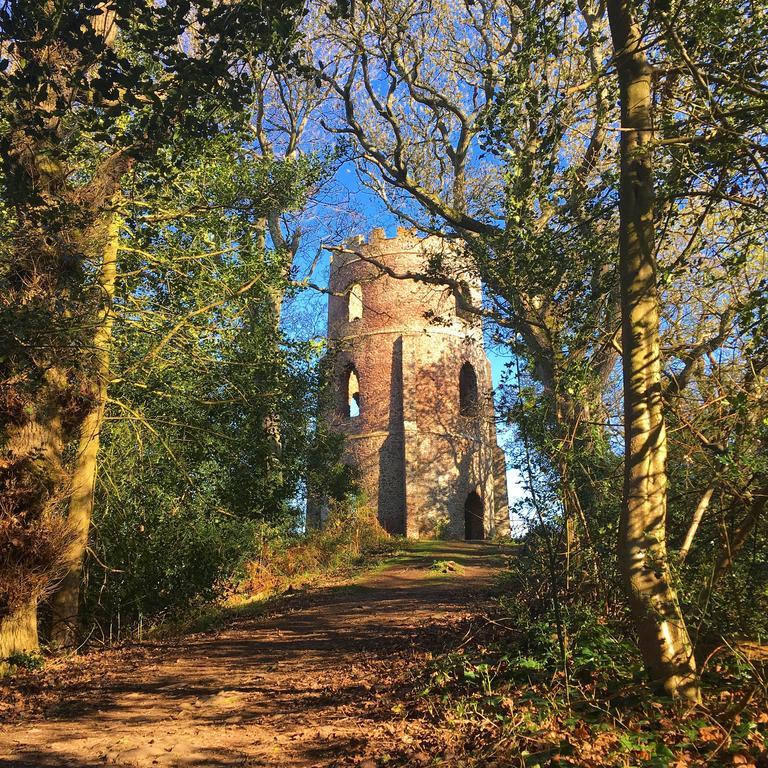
{"x": 412, "y": 390}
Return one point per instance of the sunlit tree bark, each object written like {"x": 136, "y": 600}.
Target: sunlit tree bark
{"x": 66, "y": 599}
{"x": 662, "y": 634}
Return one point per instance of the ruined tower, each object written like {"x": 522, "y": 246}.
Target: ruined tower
{"x": 412, "y": 389}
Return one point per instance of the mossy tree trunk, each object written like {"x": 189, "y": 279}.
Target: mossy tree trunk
{"x": 66, "y": 600}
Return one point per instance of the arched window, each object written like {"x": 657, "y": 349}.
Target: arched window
{"x": 355, "y": 302}
{"x": 463, "y": 296}
{"x": 353, "y": 394}
{"x": 468, "y": 398}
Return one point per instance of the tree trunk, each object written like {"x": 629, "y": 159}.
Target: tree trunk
{"x": 271, "y": 423}
{"x": 65, "y": 602}
{"x": 698, "y": 515}
{"x": 572, "y": 440}
{"x": 755, "y": 511}
{"x": 18, "y": 631}
{"x": 662, "y": 634}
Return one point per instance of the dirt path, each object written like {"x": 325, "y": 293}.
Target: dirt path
{"x": 311, "y": 685}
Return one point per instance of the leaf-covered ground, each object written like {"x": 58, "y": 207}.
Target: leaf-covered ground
{"x": 416, "y": 664}
{"x": 310, "y": 685}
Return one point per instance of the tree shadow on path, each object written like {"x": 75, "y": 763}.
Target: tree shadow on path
{"x": 302, "y": 687}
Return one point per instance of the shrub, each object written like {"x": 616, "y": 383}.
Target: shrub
{"x": 351, "y": 532}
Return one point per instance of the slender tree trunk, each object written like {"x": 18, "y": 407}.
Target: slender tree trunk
{"x": 743, "y": 532}
{"x": 271, "y": 424}
{"x": 698, "y": 515}
{"x": 572, "y": 441}
{"x": 18, "y": 631}
{"x": 65, "y": 601}
{"x": 662, "y": 634}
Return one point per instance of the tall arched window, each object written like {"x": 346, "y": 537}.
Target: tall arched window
{"x": 468, "y": 397}
{"x": 353, "y": 394}
{"x": 355, "y": 302}
{"x": 463, "y": 297}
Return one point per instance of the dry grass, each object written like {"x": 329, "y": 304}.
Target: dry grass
{"x": 349, "y": 536}
{"x": 33, "y": 557}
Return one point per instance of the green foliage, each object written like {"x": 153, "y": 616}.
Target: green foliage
{"x": 131, "y": 90}
{"x": 27, "y": 661}
{"x": 156, "y": 552}
{"x": 505, "y": 692}
{"x": 191, "y": 478}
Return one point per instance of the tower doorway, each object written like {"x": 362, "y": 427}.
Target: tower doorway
{"x": 473, "y": 517}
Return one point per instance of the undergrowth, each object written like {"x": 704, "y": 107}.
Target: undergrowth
{"x": 351, "y": 535}
{"x": 29, "y": 661}
{"x": 505, "y": 695}
{"x": 350, "y": 540}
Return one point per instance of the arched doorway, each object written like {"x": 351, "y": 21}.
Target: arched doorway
{"x": 473, "y": 517}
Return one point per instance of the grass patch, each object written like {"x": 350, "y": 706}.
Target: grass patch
{"x": 445, "y": 567}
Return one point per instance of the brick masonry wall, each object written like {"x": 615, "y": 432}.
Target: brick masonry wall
{"x": 419, "y": 458}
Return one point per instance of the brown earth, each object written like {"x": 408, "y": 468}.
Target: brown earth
{"x": 314, "y": 684}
